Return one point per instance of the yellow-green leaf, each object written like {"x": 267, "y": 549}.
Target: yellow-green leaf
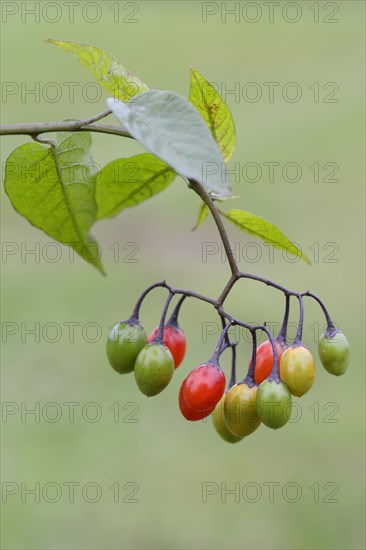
{"x": 109, "y": 72}
{"x": 202, "y": 215}
{"x": 215, "y": 112}
{"x": 263, "y": 229}
{"x": 53, "y": 188}
{"x": 204, "y": 210}
{"x": 126, "y": 182}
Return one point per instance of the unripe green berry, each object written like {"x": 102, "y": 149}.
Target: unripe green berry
{"x": 154, "y": 369}
{"x": 334, "y": 353}
{"x": 274, "y": 404}
{"x": 125, "y": 341}
{"x": 241, "y": 414}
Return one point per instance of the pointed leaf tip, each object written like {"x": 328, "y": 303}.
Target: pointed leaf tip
{"x": 108, "y": 71}
{"x": 263, "y": 229}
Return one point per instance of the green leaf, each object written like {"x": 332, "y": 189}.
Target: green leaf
{"x": 172, "y": 129}
{"x": 204, "y": 210}
{"x": 215, "y": 113}
{"x": 108, "y": 71}
{"x": 53, "y": 188}
{"x": 202, "y": 215}
{"x": 127, "y": 182}
{"x": 263, "y": 229}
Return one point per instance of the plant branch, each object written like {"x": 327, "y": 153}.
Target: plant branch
{"x": 282, "y": 335}
{"x": 160, "y": 334}
{"x": 331, "y": 325}
{"x": 249, "y": 378}
{"x": 298, "y": 336}
{"x": 220, "y": 345}
{"x": 173, "y": 320}
{"x": 233, "y": 366}
{"x": 36, "y": 128}
{"x": 136, "y": 311}
{"x": 201, "y": 192}
{"x": 222, "y": 313}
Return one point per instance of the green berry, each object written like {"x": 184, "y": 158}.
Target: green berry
{"x": 274, "y": 404}
{"x": 297, "y": 369}
{"x": 241, "y": 414}
{"x": 334, "y": 353}
{"x": 218, "y": 419}
{"x": 154, "y": 369}
{"x": 125, "y": 341}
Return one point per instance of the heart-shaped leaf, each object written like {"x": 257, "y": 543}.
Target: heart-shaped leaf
{"x": 127, "y": 182}
{"x": 53, "y": 188}
{"x": 215, "y": 113}
{"x": 108, "y": 71}
{"x": 170, "y": 127}
{"x": 263, "y": 229}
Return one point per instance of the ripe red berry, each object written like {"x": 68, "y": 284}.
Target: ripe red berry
{"x": 187, "y": 411}
{"x": 204, "y": 387}
{"x": 175, "y": 341}
{"x": 264, "y": 360}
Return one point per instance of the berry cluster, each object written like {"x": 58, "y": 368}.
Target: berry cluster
{"x": 277, "y": 371}
{"x": 153, "y": 359}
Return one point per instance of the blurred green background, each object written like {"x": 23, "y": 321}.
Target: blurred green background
{"x": 317, "y": 463}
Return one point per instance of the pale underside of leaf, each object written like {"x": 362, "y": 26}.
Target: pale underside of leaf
{"x": 263, "y": 229}
{"x": 127, "y": 182}
{"x": 53, "y": 188}
{"x": 108, "y": 71}
{"x": 168, "y": 126}
{"x": 215, "y": 113}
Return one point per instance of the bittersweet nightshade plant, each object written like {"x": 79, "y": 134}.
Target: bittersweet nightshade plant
{"x": 55, "y": 185}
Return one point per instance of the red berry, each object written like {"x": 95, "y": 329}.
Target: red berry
{"x": 175, "y": 341}
{"x": 185, "y": 409}
{"x": 264, "y": 360}
{"x": 204, "y": 387}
